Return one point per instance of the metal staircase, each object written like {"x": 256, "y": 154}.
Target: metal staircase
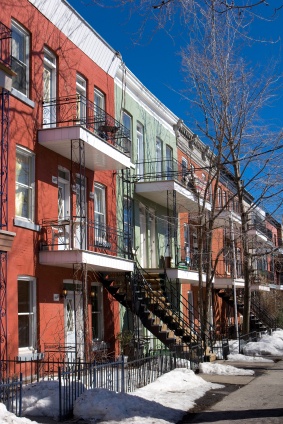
{"x": 162, "y": 309}
{"x": 260, "y": 319}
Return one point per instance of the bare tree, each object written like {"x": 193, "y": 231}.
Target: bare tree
{"x": 230, "y": 97}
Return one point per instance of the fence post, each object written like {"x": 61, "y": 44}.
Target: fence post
{"x": 21, "y": 394}
{"x": 123, "y": 376}
{"x": 60, "y": 394}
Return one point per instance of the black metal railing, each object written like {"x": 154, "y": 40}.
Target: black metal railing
{"x": 79, "y": 233}
{"x": 11, "y": 394}
{"x": 77, "y": 110}
{"x": 119, "y": 376}
{"x": 171, "y": 169}
{"x": 5, "y": 45}
{"x": 260, "y": 227}
{"x": 262, "y": 313}
{"x": 173, "y": 309}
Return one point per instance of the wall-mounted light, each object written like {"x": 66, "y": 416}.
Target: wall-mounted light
{"x": 92, "y": 294}
{"x": 64, "y": 292}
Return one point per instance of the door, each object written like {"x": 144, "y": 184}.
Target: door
{"x": 81, "y": 117}
{"x": 143, "y": 261}
{"x": 49, "y": 90}
{"x": 158, "y": 169}
{"x": 100, "y": 235}
{"x": 169, "y": 163}
{"x": 73, "y": 325}
{"x": 63, "y": 229}
{"x": 80, "y": 220}
{"x": 140, "y": 152}
{"x": 152, "y": 249}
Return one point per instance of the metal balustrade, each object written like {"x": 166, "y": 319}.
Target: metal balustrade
{"x": 78, "y": 110}
{"x": 5, "y": 45}
{"x": 79, "y": 233}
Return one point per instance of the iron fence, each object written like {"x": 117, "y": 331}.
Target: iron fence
{"x": 11, "y": 394}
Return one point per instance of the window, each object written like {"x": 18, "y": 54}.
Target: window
{"x": 24, "y": 183}
{"x": 184, "y": 168}
{"x": 99, "y": 215}
{"x": 99, "y": 109}
{"x": 127, "y": 122}
{"x": 26, "y": 313}
{"x": 219, "y": 197}
{"x": 20, "y": 58}
{"x": 81, "y": 99}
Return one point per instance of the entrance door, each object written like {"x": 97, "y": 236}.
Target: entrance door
{"x": 49, "y": 89}
{"x": 143, "y": 260}
{"x": 152, "y": 248}
{"x": 80, "y": 218}
{"x": 63, "y": 229}
{"x": 74, "y": 325}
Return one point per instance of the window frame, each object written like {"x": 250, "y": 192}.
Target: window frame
{"x": 18, "y": 29}
{"x": 32, "y": 314}
{"x": 30, "y": 186}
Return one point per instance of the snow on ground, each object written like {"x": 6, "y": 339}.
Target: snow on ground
{"x": 219, "y": 369}
{"x": 9, "y": 418}
{"x": 164, "y": 401}
{"x": 238, "y": 357}
{"x": 268, "y": 345}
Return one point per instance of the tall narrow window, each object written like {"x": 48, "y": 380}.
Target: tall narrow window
{"x": 26, "y": 313}
{"x": 158, "y": 154}
{"x": 184, "y": 168}
{"x": 140, "y": 150}
{"x": 81, "y": 218}
{"x": 169, "y": 163}
{"x": 81, "y": 99}
{"x": 49, "y": 88}
{"x": 127, "y": 122}
{"x": 20, "y": 58}
{"x": 99, "y": 214}
{"x": 24, "y": 183}
{"x": 219, "y": 197}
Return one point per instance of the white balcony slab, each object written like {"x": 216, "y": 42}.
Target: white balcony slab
{"x": 225, "y": 217}
{"x": 220, "y": 283}
{"x": 256, "y": 235}
{"x": 185, "y": 276}
{"x": 156, "y": 191}
{"x": 96, "y": 261}
{"x": 260, "y": 287}
{"x": 99, "y": 154}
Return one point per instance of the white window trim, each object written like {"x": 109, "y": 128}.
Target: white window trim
{"x": 33, "y": 336}
{"x": 19, "y": 28}
{"x": 100, "y": 312}
{"x": 23, "y": 151}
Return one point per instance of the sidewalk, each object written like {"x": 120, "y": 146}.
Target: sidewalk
{"x": 259, "y": 400}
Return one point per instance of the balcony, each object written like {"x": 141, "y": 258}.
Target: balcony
{"x": 6, "y": 72}
{"x": 155, "y": 178}
{"x": 257, "y": 232}
{"x": 80, "y": 241}
{"x": 226, "y": 217}
{"x": 106, "y": 141}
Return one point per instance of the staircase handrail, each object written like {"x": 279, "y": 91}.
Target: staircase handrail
{"x": 267, "y": 318}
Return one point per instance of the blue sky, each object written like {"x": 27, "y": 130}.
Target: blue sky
{"x": 153, "y": 56}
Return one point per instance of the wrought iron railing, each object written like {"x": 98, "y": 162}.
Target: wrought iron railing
{"x": 77, "y": 110}
{"x": 259, "y": 226}
{"x": 5, "y": 45}
{"x": 78, "y": 233}
{"x": 265, "y": 316}
{"x": 171, "y": 169}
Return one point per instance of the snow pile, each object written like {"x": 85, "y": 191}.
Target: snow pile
{"x": 163, "y": 401}
{"x": 9, "y": 418}
{"x": 238, "y": 357}
{"x": 218, "y": 369}
{"x": 268, "y": 345}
